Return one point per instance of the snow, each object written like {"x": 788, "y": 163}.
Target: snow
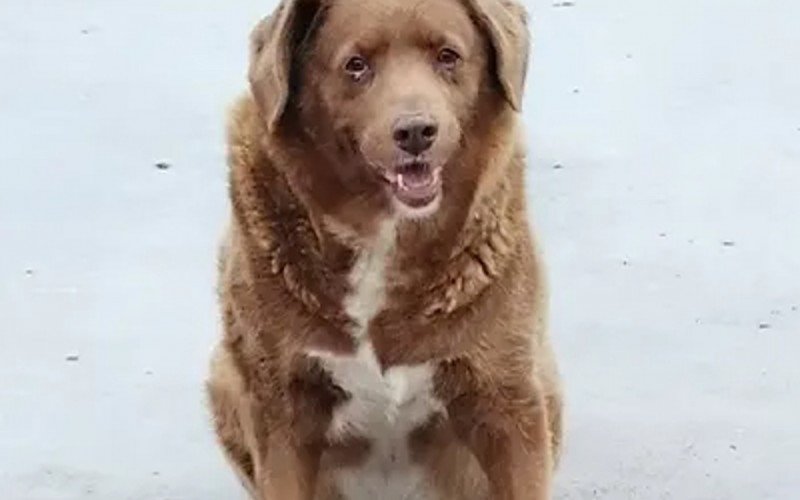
{"x": 670, "y": 229}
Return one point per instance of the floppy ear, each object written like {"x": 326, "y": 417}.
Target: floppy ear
{"x": 506, "y": 23}
{"x": 274, "y": 44}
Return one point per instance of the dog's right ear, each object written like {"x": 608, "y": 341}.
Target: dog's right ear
{"x": 274, "y": 45}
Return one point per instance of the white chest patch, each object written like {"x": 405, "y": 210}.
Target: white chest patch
{"x": 368, "y": 279}
{"x": 383, "y": 407}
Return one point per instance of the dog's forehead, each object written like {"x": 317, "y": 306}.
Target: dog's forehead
{"x": 386, "y": 20}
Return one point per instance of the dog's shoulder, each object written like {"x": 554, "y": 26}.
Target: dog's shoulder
{"x": 245, "y": 131}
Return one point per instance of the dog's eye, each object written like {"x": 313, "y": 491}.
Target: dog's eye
{"x": 356, "y": 67}
{"x": 448, "y": 58}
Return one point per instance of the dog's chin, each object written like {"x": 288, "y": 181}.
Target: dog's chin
{"x": 405, "y": 211}
{"x": 415, "y": 188}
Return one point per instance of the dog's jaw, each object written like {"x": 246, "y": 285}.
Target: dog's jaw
{"x": 404, "y": 211}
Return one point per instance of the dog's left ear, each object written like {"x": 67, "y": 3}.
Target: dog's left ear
{"x": 506, "y": 24}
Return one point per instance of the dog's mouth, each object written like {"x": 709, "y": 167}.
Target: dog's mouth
{"x": 415, "y": 183}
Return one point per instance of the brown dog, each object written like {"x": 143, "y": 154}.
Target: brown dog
{"x": 384, "y": 306}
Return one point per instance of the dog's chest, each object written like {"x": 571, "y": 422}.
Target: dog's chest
{"x": 383, "y": 407}
{"x": 381, "y": 404}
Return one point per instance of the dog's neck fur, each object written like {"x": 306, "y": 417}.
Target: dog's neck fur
{"x": 292, "y": 237}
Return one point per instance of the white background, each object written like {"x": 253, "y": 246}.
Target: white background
{"x": 677, "y": 128}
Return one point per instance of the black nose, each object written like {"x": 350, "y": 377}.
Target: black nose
{"x": 415, "y": 134}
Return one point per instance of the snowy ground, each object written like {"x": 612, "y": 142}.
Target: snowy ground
{"x": 665, "y": 142}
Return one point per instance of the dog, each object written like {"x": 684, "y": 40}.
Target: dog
{"x": 383, "y": 300}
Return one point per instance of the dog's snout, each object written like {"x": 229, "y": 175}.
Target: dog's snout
{"x": 415, "y": 134}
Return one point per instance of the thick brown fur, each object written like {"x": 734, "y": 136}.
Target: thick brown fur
{"x": 465, "y": 289}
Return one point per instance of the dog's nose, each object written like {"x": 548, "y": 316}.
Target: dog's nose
{"x": 415, "y": 134}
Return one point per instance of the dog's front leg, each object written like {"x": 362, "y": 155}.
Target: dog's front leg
{"x": 504, "y": 424}
{"x": 288, "y": 471}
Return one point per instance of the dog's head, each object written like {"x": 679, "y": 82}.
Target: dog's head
{"x": 387, "y": 90}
